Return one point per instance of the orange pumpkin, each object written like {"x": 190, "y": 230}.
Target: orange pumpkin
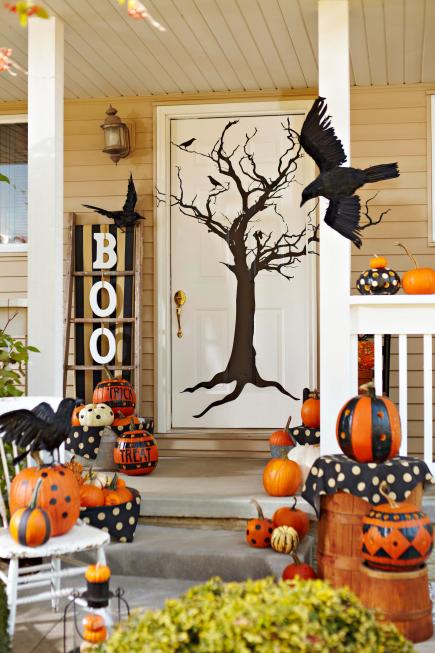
{"x": 93, "y": 621}
{"x": 116, "y": 497}
{"x": 95, "y": 636}
{"x": 310, "y": 411}
{"x": 298, "y": 568}
{"x": 396, "y": 536}
{"x": 117, "y": 393}
{"x": 91, "y": 495}
{"x": 75, "y": 415}
{"x": 31, "y": 526}
{"x": 136, "y": 453}
{"x": 128, "y": 423}
{"x": 292, "y": 516}
{"x": 419, "y": 281}
{"x": 59, "y": 494}
{"x": 97, "y": 573}
{"x": 282, "y": 477}
{"x": 368, "y": 427}
{"x": 377, "y": 262}
{"x": 259, "y": 530}
{"x": 282, "y": 437}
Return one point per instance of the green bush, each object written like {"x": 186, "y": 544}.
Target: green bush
{"x": 5, "y": 643}
{"x": 262, "y": 616}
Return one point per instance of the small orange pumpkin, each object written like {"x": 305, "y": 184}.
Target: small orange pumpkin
{"x": 419, "y": 281}
{"x": 282, "y": 477}
{"x": 91, "y": 496}
{"x": 310, "y": 411}
{"x": 75, "y": 415}
{"x": 31, "y": 526}
{"x": 298, "y": 568}
{"x": 95, "y": 636}
{"x": 377, "y": 262}
{"x": 116, "y": 497}
{"x": 292, "y": 516}
{"x": 259, "y": 530}
{"x": 282, "y": 437}
{"x": 97, "y": 573}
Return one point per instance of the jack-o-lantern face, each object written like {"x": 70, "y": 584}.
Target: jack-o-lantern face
{"x": 96, "y": 415}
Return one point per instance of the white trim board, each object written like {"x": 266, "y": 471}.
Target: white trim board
{"x": 162, "y": 254}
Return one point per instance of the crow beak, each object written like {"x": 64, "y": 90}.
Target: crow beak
{"x": 302, "y": 202}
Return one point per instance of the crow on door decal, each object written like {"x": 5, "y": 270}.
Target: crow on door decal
{"x": 253, "y": 251}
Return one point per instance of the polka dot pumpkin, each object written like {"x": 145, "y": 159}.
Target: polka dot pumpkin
{"x": 259, "y": 530}
{"x": 378, "y": 281}
{"x": 96, "y": 415}
{"x": 119, "y": 521}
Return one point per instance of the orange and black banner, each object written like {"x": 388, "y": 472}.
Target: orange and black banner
{"x": 85, "y": 251}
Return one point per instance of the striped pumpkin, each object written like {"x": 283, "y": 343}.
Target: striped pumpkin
{"x": 117, "y": 393}
{"x": 285, "y": 539}
{"x": 368, "y": 427}
{"x": 136, "y": 453}
{"x": 31, "y": 526}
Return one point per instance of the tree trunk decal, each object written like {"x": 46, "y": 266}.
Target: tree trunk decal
{"x": 252, "y": 250}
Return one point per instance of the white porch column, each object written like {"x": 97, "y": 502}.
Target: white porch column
{"x": 45, "y": 211}
{"x": 334, "y": 85}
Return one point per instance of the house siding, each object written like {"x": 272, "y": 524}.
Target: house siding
{"x": 387, "y": 124}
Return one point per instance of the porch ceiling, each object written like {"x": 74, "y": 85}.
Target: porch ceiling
{"x": 220, "y": 45}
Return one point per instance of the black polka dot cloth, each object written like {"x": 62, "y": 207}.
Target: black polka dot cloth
{"x": 338, "y": 473}
{"x": 84, "y": 441}
{"x": 119, "y": 521}
{"x": 304, "y": 435}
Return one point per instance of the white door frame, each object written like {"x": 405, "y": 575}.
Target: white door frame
{"x": 162, "y": 250}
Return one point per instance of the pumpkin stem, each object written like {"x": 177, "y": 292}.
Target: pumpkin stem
{"x": 259, "y": 509}
{"x": 385, "y": 491}
{"x": 369, "y": 389}
{"x": 34, "y": 499}
{"x": 411, "y": 256}
{"x": 314, "y": 394}
{"x": 108, "y": 372}
{"x": 287, "y": 426}
{"x": 132, "y": 424}
{"x": 113, "y": 482}
{"x": 294, "y": 503}
{"x": 295, "y": 559}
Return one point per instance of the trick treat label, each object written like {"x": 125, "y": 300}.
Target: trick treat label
{"x": 102, "y": 296}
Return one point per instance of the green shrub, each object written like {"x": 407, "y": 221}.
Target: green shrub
{"x": 5, "y": 644}
{"x": 260, "y": 616}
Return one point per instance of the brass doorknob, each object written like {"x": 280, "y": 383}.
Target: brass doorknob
{"x": 179, "y": 300}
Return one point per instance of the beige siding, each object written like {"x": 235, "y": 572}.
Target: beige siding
{"x": 388, "y": 124}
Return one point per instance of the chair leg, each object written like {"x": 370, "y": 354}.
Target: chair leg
{"x": 11, "y": 591}
{"x": 101, "y": 555}
{"x": 55, "y": 583}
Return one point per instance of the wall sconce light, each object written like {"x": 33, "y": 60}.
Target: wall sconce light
{"x": 116, "y": 136}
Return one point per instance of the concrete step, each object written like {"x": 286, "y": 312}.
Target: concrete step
{"x": 192, "y": 554}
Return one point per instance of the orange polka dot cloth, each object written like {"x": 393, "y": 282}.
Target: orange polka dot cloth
{"x": 338, "y": 473}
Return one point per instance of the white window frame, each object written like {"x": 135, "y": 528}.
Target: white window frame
{"x": 13, "y": 248}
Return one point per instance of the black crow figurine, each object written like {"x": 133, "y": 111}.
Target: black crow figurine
{"x": 128, "y": 215}
{"x": 335, "y": 183}
{"x": 40, "y": 429}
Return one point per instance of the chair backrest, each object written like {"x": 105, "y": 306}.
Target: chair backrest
{"x": 8, "y": 453}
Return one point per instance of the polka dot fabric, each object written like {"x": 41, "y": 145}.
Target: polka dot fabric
{"x": 304, "y": 435}
{"x": 119, "y": 521}
{"x": 337, "y": 473}
{"x": 84, "y": 441}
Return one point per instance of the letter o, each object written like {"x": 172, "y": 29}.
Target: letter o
{"x": 96, "y": 356}
{"x": 93, "y": 295}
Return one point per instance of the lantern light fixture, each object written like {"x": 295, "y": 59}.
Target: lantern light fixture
{"x": 116, "y": 135}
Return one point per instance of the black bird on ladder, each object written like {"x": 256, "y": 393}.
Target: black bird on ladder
{"x": 128, "y": 215}
{"x": 338, "y": 184}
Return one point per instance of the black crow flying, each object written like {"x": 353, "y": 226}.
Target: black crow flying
{"x": 335, "y": 183}
{"x": 187, "y": 143}
{"x": 214, "y": 181}
{"x": 40, "y": 429}
{"x": 128, "y": 215}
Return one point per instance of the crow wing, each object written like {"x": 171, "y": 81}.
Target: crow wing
{"x": 22, "y": 427}
{"x": 318, "y": 138}
{"x": 108, "y": 214}
{"x": 44, "y": 411}
{"x": 131, "y": 198}
{"x": 343, "y": 215}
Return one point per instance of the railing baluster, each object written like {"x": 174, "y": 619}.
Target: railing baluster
{"x": 427, "y": 390}
{"x": 403, "y": 391}
{"x": 378, "y": 364}
{"x": 354, "y": 362}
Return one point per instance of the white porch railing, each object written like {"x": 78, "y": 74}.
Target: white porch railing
{"x": 401, "y": 316}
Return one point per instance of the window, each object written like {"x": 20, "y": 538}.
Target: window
{"x": 13, "y": 196}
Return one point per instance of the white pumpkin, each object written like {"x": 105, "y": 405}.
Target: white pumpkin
{"x": 305, "y": 455}
{"x": 96, "y": 415}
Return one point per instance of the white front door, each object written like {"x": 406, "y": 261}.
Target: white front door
{"x": 248, "y": 324}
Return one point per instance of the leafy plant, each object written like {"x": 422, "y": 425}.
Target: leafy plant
{"x": 14, "y": 356}
{"x": 4, "y": 178}
{"x": 262, "y": 616}
{"x": 5, "y": 642}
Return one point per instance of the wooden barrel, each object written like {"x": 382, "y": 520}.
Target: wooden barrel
{"x": 339, "y": 540}
{"x": 411, "y": 609}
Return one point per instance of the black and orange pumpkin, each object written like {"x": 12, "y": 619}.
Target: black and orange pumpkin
{"x": 368, "y": 427}
{"x": 259, "y": 530}
{"x": 129, "y": 423}
{"x": 117, "y": 393}
{"x": 136, "y": 452}
{"x": 396, "y": 536}
{"x": 59, "y": 494}
{"x": 31, "y": 526}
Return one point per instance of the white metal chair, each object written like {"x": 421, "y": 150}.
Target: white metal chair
{"x": 50, "y": 573}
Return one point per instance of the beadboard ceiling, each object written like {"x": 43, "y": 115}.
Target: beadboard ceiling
{"x": 224, "y": 45}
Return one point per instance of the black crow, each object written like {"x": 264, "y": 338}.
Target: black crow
{"x": 214, "y": 181}
{"x": 128, "y": 215}
{"x": 40, "y": 429}
{"x": 335, "y": 183}
{"x": 187, "y": 143}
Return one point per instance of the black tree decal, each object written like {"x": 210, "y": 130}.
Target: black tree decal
{"x": 253, "y": 251}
